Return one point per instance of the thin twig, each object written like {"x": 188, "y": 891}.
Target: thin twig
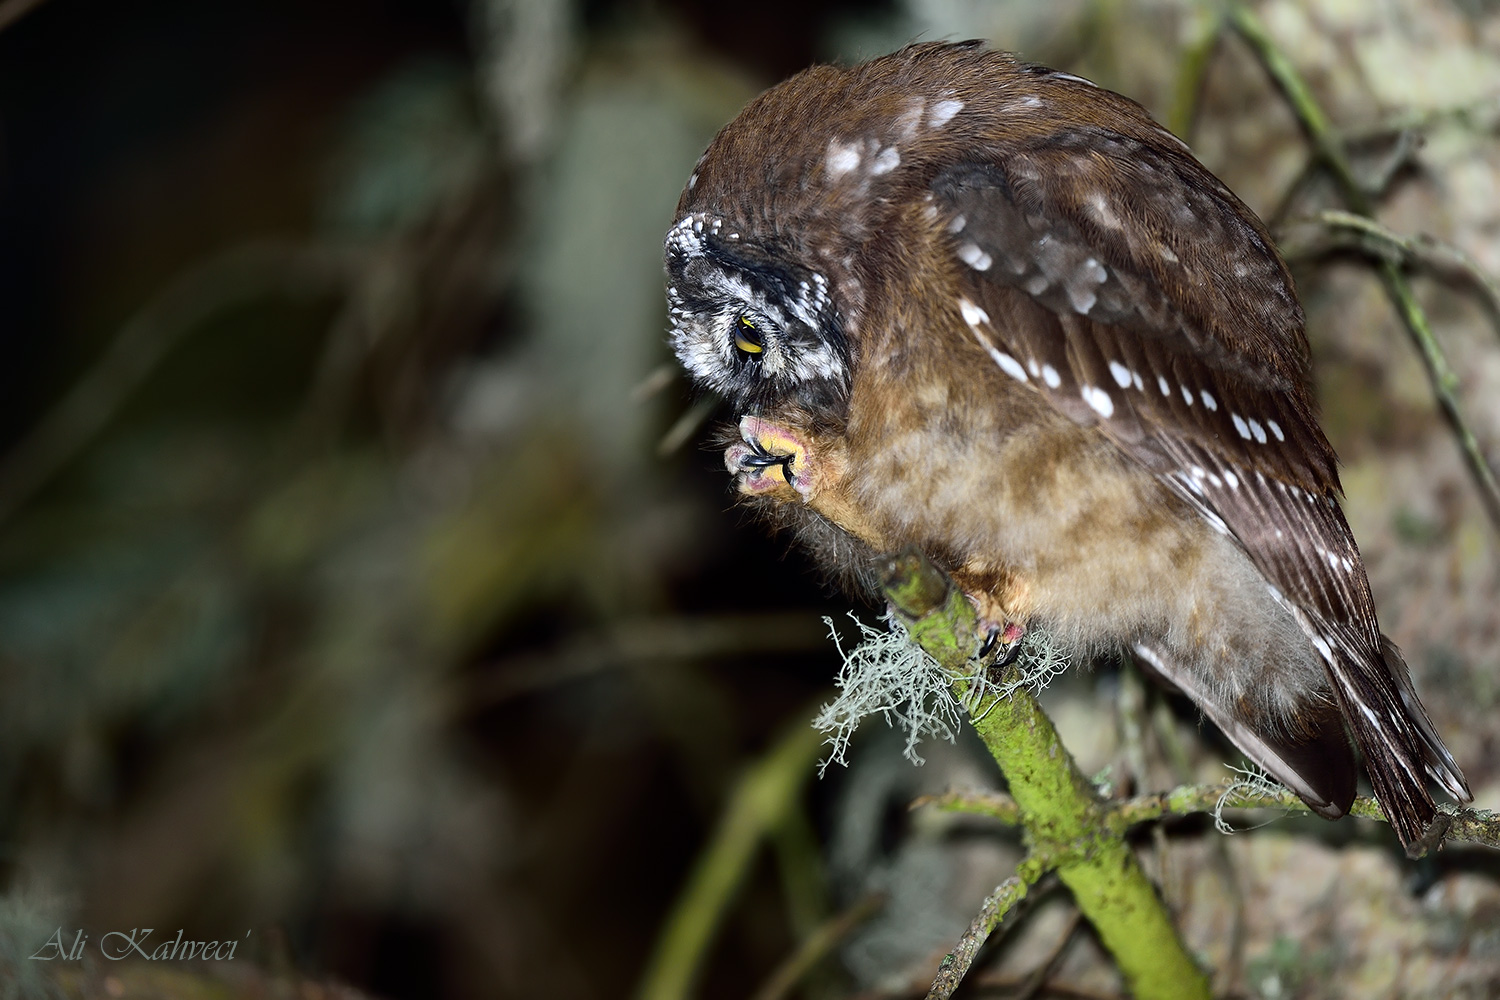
{"x": 992, "y": 804}
{"x": 1331, "y": 150}
{"x": 685, "y": 426}
{"x": 997, "y": 905}
{"x": 648, "y": 640}
{"x": 1468, "y": 826}
{"x": 237, "y": 276}
{"x": 817, "y": 945}
{"x": 1043, "y": 972}
{"x": 1342, "y": 230}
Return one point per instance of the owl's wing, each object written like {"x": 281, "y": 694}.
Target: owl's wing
{"x": 1157, "y": 309}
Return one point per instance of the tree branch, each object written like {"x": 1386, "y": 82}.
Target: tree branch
{"x": 1062, "y": 817}
{"x": 1330, "y": 150}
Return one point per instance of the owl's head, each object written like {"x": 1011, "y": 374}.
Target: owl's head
{"x": 751, "y": 324}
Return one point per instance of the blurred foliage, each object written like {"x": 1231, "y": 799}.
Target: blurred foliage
{"x": 353, "y": 607}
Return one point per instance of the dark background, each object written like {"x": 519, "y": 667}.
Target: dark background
{"x": 347, "y": 594}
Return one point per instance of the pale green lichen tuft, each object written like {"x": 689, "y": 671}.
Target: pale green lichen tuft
{"x": 1253, "y": 782}
{"x": 888, "y": 674}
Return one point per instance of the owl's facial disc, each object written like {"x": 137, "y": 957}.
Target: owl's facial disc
{"x": 756, "y": 330}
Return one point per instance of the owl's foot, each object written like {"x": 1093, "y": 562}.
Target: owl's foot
{"x": 769, "y": 458}
{"x": 1006, "y": 637}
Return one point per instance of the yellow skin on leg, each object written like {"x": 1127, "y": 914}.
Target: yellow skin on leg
{"x": 790, "y": 466}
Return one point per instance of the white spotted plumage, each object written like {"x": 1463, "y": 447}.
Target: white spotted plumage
{"x": 1144, "y": 304}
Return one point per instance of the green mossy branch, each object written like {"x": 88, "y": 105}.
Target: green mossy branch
{"x": 1064, "y": 821}
{"x": 1467, "y": 826}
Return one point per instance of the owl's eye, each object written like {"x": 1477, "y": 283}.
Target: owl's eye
{"x": 747, "y": 336}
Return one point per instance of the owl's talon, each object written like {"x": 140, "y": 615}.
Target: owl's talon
{"x": 757, "y": 460}
{"x": 1007, "y": 636}
{"x": 765, "y": 456}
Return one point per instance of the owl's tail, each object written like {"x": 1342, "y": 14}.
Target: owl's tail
{"x": 1401, "y": 747}
{"x": 1315, "y": 760}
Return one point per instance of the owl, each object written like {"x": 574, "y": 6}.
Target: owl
{"x": 988, "y": 309}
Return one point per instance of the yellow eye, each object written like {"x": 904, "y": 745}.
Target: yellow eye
{"x": 746, "y": 337}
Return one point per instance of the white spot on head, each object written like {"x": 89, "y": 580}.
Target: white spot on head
{"x": 1121, "y": 374}
{"x": 909, "y": 120}
{"x": 841, "y": 158}
{"x": 1031, "y": 101}
{"x": 957, "y": 224}
{"x": 1099, "y": 401}
{"x": 1276, "y": 429}
{"x": 1242, "y": 428}
{"x": 1167, "y": 255}
{"x": 1050, "y": 376}
{"x": 1009, "y": 365}
{"x": 943, "y": 112}
{"x": 1208, "y": 400}
{"x": 973, "y": 315}
{"x": 1100, "y": 206}
{"x": 888, "y": 159}
{"x": 1161, "y": 382}
{"x": 976, "y": 258}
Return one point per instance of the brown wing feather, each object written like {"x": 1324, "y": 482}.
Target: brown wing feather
{"x": 1119, "y": 312}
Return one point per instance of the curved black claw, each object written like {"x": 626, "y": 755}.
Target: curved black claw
{"x": 993, "y": 638}
{"x": 1008, "y": 655}
{"x": 764, "y": 459}
{"x": 761, "y": 460}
